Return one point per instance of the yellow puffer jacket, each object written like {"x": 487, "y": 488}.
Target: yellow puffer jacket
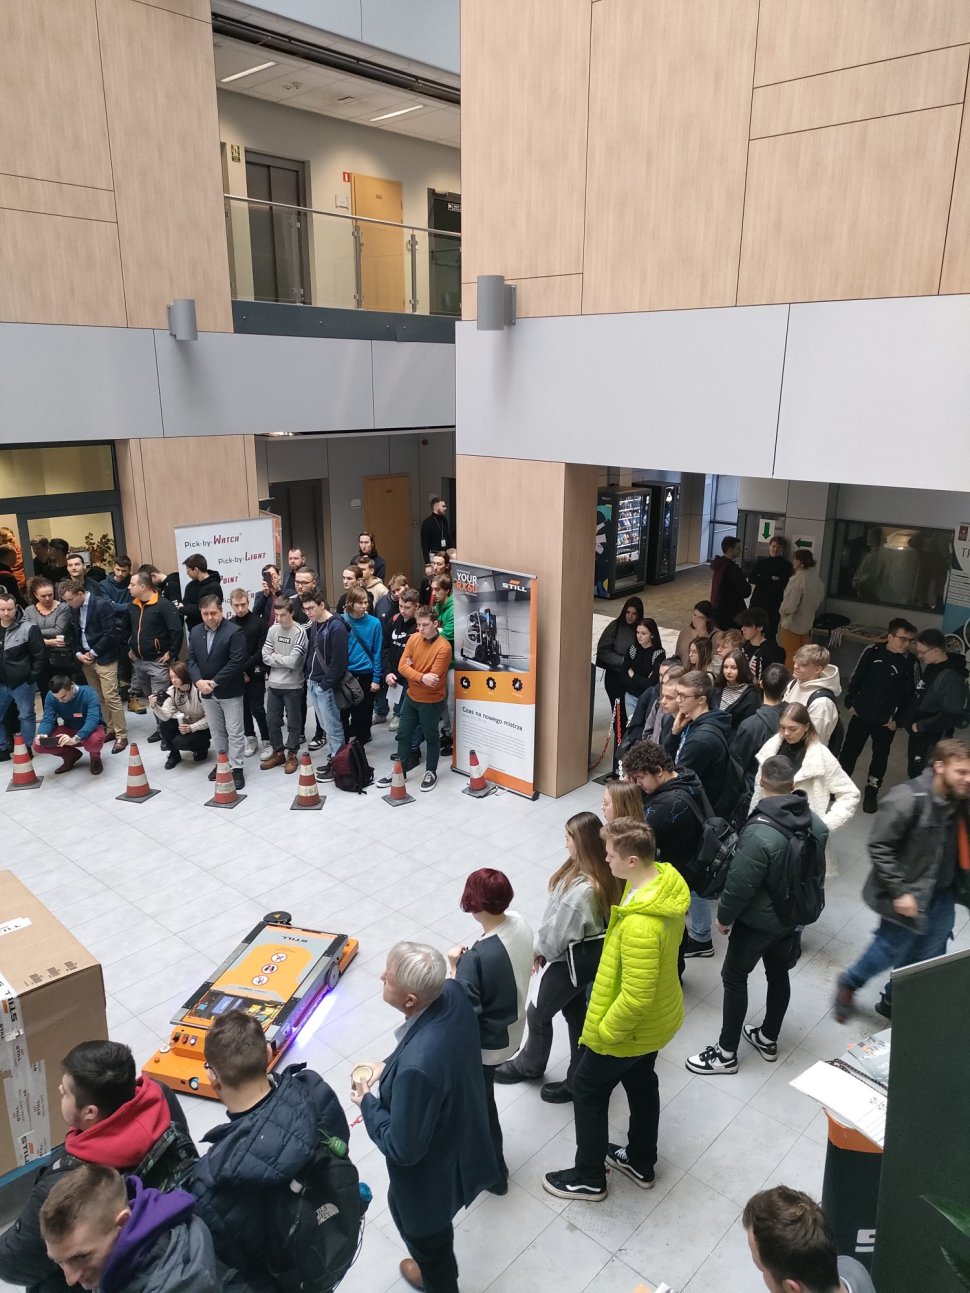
{"x": 637, "y": 1005}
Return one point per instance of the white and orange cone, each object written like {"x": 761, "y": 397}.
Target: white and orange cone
{"x": 24, "y": 777}
{"x": 226, "y": 795}
{"x": 399, "y": 792}
{"x": 308, "y": 796}
{"x": 477, "y": 786}
{"x": 138, "y": 790}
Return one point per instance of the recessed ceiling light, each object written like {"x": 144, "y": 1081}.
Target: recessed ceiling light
{"x": 260, "y": 67}
{"x": 385, "y": 116}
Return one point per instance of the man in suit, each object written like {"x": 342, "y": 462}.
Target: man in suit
{"x": 217, "y": 665}
{"x": 428, "y": 1118}
{"x": 96, "y": 632}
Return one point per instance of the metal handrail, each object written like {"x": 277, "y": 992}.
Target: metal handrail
{"x": 339, "y": 215}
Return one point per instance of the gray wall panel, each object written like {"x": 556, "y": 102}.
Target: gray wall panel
{"x": 414, "y": 385}
{"x": 73, "y": 383}
{"x": 689, "y": 390}
{"x": 878, "y": 393}
{"x": 227, "y": 384}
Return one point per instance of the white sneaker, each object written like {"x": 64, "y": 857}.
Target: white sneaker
{"x": 265, "y": 750}
{"x": 393, "y": 723}
{"x": 252, "y": 745}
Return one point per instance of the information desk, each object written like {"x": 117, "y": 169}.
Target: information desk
{"x": 277, "y": 974}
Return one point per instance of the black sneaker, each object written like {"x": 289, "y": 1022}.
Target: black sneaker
{"x": 570, "y": 1185}
{"x": 325, "y": 771}
{"x": 414, "y": 761}
{"x": 317, "y": 743}
{"x": 446, "y": 747}
{"x": 5, "y": 756}
{"x": 212, "y": 774}
{"x": 694, "y": 948}
{"x": 712, "y": 1061}
{"x": 429, "y": 781}
{"x": 385, "y": 782}
{"x": 870, "y": 799}
{"x": 239, "y": 778}
{"x": 155, "y": 736}
{"x": 555, "y": 1093}
{"x": 506, "y": 1074}
{"x": 616, "y": 1157}
{"x": 884, "y": 1007}
{"x": 173, "y": 760}
{"x": 844, "y": 997}
{"x": 767, "y": 1050}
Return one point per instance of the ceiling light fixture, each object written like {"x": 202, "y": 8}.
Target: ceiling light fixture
{"x": 260, "y": 67}
{"x": 400, "y": 112}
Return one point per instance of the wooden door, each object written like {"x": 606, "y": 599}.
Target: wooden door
{"x": 382, "y": 250}
{"x": 387, "y": 514}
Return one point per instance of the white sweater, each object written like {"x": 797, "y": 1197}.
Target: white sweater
{"x": 831, "y": 793}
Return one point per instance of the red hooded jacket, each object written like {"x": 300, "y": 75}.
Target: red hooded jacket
{"x": 124, "y": 1138}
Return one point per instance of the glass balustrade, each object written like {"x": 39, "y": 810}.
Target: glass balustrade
{"x": 299, "y": 255}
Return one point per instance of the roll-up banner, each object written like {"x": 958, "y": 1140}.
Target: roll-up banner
{"x": 956, "y": 613}
{"x": 495, "y": 674}
{"x": 238, "y": 550}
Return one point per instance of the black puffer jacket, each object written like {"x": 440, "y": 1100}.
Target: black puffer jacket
{"x": 940, "y": 689}
{"x": 22, "y": 652}
{"x": 675, "y": 824}
{"x": 260, "y": 1151}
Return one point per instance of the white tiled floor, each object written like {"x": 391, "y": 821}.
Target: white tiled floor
{"x": 163, "y": 890}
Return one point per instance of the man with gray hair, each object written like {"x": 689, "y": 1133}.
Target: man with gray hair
{"x": 428, "y": 1115}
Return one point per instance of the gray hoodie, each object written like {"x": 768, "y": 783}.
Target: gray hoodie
{"x": 283, "y": 654}
{"x": 570, "y": 914}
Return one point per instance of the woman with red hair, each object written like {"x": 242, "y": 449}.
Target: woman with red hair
{"x": 495, "y": 972}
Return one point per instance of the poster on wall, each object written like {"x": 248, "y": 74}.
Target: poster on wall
{"x": 495, "y": 674}
{"x": 238, "y": 550}
{"x": 956, "y": 612}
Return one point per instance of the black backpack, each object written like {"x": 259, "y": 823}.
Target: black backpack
{"x": 838, "y": 732}
{"x": 313, "y": 1226}
{"x": 351, "y": 771}
{"x": 732, "y": 786}
{"x": 707, "y": 871}
{"x": 798, "y": 892}
{"x": 168, "y": 1163}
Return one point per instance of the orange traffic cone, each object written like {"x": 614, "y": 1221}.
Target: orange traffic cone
{"x": 138, "y": 789}
{"x": 24, "y": 777}
{"x": 226, "y": 795}
{"x": 477, "y": 786}
{"x": 399, "y": 794}
{"x": 307, "y": 795}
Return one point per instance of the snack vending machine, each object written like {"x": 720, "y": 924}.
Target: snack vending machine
{"x": 664, "y": 524}
{"x": 622, "y": 541}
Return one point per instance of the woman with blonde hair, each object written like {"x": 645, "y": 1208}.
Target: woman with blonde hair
{"x": 700, "y": 655}
{"x": 831, "y": 792}
{"x": 621, "y": 799}
{"x": 581, "y": 894}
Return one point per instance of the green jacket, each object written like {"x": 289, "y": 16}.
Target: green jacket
{"x": 637, "y": 1006}
{"x": 445, "y": 615}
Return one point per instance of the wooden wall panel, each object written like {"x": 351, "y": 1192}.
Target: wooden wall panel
{"x": 170, "y": 482}
{"x": 553, "y": 543}
{"x": 160, "y": 95}
{"x": 803, "y": 37}
{"x": 47, "y": 198}
{"x": 198, "y": 9}
{"x": 536, "y": 298}
{"x": 55, "y": 269}
{"x": 956, "y": 257}
{"x": 670, "y": 99}
{"x": 525, "y": 73}
{"x": 875, "y": 90}
{"x": 51, "y": 95}
{"x": 851, "y": 211}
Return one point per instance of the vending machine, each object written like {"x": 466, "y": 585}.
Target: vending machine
{"x": 664, "y": 524}
{"x": 622, "y": 541}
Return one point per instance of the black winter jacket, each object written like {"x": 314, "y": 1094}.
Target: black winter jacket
{"x": 257, "y": 1153}
{"x": 882, "y": 685}
{"x": 751, "y": 735}
{"x": 675, "y": 824}
{"x": 195, "y": 591}
{"x": 745, "y": 705}
{"x": 254, "y": 629}
{"x": 770, "y": 576}
{"x": 396, "y": 633}
{"x": 704, "y": 746}
{"x": 911, "y": 830}
{"x": 613, "y": 648}
{"x": 155, "y": 629}
{"x": 940, "y": 689}
{"x": 22, "y": 652}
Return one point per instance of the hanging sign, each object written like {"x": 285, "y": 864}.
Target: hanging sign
{"x": 495, "y": 674}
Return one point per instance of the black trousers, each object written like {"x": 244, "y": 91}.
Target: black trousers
{"x": 596, "y": 1078}
{"x": 746, "y": 947}
{"x": 556, "y": 993}
{"x": 358, "y": 718}
{"x": 434, "y": 1253}
{"x": 254, "y": 707}
{"x": 494, "y": 1126}
{"x": 857, "y": 733}
{"x": 920, "y": 746}
{"x": 196, "y": 742}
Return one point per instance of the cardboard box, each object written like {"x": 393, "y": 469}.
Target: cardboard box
{"x": 51, "y": 998}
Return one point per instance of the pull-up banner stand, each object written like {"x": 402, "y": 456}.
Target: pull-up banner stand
{"x": 238, "y": 550}
{"x": 495, "y": 674}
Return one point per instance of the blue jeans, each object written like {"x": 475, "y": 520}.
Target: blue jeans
{"x": 895, "y": 945}
{"x": 699, "y": 919}
{"x": 23, "y": 698}
{"x": 325, "y": 708}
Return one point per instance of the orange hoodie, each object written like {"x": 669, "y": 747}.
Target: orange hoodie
{"x": 420, "y": 657}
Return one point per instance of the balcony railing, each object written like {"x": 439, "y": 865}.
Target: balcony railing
{"x": 303, "y": 256}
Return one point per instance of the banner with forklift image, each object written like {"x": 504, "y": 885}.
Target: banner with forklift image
{"x": 495, "y": 674}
